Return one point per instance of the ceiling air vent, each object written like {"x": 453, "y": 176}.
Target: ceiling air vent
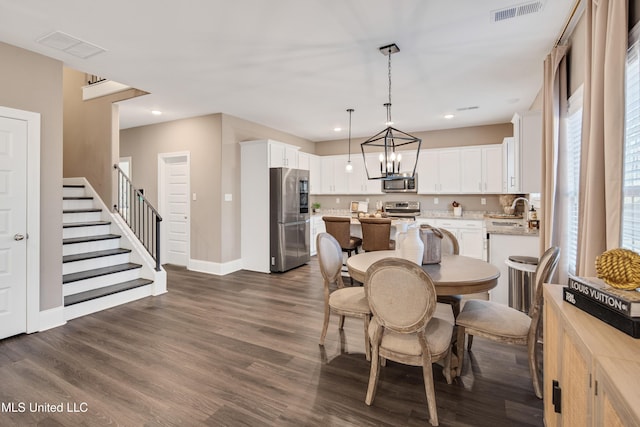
{"x": 514, "y": 11}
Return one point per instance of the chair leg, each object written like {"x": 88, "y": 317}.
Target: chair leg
{"x": 373, "y": 376}
{"x": 536, "y": 378}
{"x": 446, "y": 370}
{"x": 460, "y": 349}
{"x": 325, "y": 324}
{"x": 341, "y": 324}
{"x": 367, "y": 341}
{"x": 427, "y": 375}
{"x": 470, "y": 343}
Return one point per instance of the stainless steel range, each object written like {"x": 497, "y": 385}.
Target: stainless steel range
{"x": 407, "y": 210}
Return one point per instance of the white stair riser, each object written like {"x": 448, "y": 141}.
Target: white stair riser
{"x": 93, "y": 306}
{"x": 94, "y": 230}
{"x": 99, "y": 245}
{"x": 73, "y": 192}
{"x": 77, "y": 204}
{"x": 69, "y": 218}
{"x": 93, "y": 263}
{"x": 99, "y": 282}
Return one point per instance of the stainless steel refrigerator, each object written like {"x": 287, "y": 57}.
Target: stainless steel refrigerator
{"x": 289, "y": 220}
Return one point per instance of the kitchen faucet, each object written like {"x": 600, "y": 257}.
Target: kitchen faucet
{"x": 525, "y": 210}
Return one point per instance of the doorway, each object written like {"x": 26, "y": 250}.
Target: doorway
{"x": 173, "y": 196}
{"x": 19, "y": 221}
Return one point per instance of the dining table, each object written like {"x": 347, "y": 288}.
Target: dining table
{"x": 453, "y": 275}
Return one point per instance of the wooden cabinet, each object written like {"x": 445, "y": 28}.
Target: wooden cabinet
{"x": 591, "y": 370}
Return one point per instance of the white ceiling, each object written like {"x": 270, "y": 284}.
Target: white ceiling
{"x": 297, "y": 65}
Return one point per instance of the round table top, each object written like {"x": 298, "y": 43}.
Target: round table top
{"x": 455, "y": 275}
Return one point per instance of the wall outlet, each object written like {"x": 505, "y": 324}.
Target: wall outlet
{"x": 337, "y": 199}
{"x": 483, "y": 201}
{"x": 228, "y": 197}
{"x": 435, "y": 201}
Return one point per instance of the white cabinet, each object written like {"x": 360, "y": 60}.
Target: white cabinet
{"x": 304, "y": 160}
{"x": 439, "y": 171}
{"x": 358, "y": 182}
{"x": 527, "y": 140}
{"x": 509, "y": 165}
{"x": 282, "y": 155}
{"x": 334, "y": 176}
{"x": 481, "y": 169}
{"x": 317, "y": 227}
{"x": 470, "y": 234}
{"x": 315, "y": 174}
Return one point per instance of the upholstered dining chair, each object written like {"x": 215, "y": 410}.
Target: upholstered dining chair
{"x": 450, "y": 246}
{"x": 343, "y": 301}
{"x": 501, "y": 323}
{"x": 402, "y": 298}
{"x": 376, "y": 234}
{"x": 340, "y": 228}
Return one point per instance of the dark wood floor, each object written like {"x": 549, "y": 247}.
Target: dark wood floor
{"x": 241, "y": 350}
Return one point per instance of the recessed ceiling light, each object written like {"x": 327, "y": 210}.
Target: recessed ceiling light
{"x": 156, "y": 112}
{"x": 449, "y": 116}
{"x": 337, "y": 129}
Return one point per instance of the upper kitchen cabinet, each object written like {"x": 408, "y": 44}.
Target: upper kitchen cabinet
{"x": 304, "y": 161}
{"x": 358, "y": 182}
{"x": 282, "y": 155}
{"x": 334, "y": 176}
{"x": 315, "y": 174}
{"x": 527, "y": 152}
{"x": 439, "y": 171}
{"x": 509, "y": 165}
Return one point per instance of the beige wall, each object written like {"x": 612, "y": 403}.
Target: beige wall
{"x": 473, "y": 135}
{"x": 33, "y": 82}
{"x": 89, "y": 139}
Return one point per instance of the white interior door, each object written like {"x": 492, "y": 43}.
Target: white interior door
{"x": 13, "y": 226}
{"x": 174, "y": 187}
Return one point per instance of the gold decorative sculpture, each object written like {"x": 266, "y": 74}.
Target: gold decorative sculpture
{"x": 619, "y": 268}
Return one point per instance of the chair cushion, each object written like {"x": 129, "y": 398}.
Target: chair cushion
{"x": 349, "y": 299}
{"x": 354, "y": 242}
{"x": 444, "y": 312}
{"x": 494, "y": 318}
{"x": 438, "y": 332}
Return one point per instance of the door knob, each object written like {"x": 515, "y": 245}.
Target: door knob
{"x": 18, "y": 237}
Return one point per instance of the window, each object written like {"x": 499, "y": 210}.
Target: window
{"x": 630, "y": 238}
{"x": 572, "y": 177}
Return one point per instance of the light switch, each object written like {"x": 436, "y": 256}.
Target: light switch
{"x": 193, "y": 197}
{"x": 228, "y": 197}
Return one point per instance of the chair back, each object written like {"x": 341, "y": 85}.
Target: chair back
{"x": 450, "y": 244}
{"x": 376, "y": 233}
{"x": 402, "y": 297}
{"x": 329, "y": 259}
{"x": 340, "y": 228}
{"x": 545, "y": 269}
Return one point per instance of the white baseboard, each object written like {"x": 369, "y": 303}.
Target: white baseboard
{"x": 214, "y": 267}
{"x": 51, "y": 318}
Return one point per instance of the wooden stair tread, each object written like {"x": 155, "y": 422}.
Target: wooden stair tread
{"x": 72, "y": 185}
{"x": 94, "y": 254}
{"x": 85, "y": 239}
{"x": 97, "y": 272}
{"x": 82, "y": 210}
{"x": 107, "y": 290}
{"x": 85, "y": 224}
{"x": 78, "y": 198}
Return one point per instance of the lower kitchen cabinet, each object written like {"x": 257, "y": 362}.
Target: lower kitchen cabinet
{"x": 469, "y": 232}
{"x": 591, "y": 370}
{"x": 317, "y": 227}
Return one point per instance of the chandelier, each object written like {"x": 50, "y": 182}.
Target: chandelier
{"x": 385, "y": 143}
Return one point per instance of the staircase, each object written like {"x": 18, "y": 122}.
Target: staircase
{"x": 103, "y": 265}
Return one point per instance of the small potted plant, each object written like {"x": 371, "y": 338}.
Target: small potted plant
{"x": 457, "y": 209}
{"x": 315, "y": 206}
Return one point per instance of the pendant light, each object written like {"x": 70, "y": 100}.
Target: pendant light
{"x": 349, "y": 167}
{"x": 384, "y": 144}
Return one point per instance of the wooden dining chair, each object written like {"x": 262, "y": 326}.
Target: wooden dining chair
{"x": 341, "y": 300}
{"x": 402, "y": 298}
{"x": 376, "y": 234}
{"x": 340, "y": 228}
{"x": 501, "y": 323}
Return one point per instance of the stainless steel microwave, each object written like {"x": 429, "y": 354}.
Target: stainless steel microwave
{"x": 402, "y": 184}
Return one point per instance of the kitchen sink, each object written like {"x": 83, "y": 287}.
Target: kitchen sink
{"x": 505, "y": 216}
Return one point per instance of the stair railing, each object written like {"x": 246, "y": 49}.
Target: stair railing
{"x": 141, "y": 217}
